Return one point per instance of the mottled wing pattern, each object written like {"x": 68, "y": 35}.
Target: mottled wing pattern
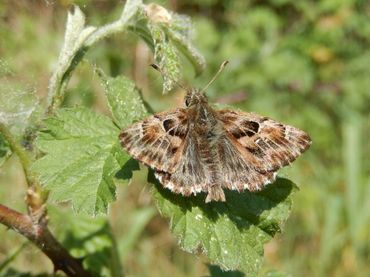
{"x": 158, "y": 140}
{"x": 265, "y": 146}
{"x": 239, "y": 168}
{"x": 231, "y": 149}
{"x": 210, "y": 166}
{"x": 191, "y": 175}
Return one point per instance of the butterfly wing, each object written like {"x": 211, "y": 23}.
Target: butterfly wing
{"x": 163, "y": 142}
{"x": 240, "y": 151}
{"x": 256, "y": 147}
{"x": 190, "y": 176}
{"x": 210, "y": 165}
{"x": 158, "y": 140}
{"x": 239, "y": 168}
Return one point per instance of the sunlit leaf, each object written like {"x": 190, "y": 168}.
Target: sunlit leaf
{"x": 170, "y": 34}
{"x": 124, "y": 100}
{"x": 131, "y": 8}
{"x": 75, "y": 36}
{"x": 166, "y": 56}
{"x": 82, "y": 157}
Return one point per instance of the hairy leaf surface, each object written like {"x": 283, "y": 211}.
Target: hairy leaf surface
{"x": 82, "y": 158}
{"x": 124, "y": 100}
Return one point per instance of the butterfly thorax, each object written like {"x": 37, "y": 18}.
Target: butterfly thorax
{"x": 194, "y": 97}
{"x": 203, "y": 119}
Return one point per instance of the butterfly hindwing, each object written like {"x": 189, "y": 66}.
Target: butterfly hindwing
{"x": 239, "y": 168}
{"x": 190, "y": 176}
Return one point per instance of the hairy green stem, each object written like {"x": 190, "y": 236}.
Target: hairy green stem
{"x": 59, "y": 81}
{"x": 21, "y": 153}
{"x": 107, "y": 30}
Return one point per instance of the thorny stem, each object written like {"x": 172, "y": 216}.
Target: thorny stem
{"x": 34, "y": 225}
{"x": 41, "y": 236}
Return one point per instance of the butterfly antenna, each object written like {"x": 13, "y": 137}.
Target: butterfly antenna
{"x": 156, "y": 67}
{"x": 222, "y": 66}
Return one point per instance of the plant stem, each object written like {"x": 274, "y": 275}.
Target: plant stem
{"x": 40, "y": 235}
{"x": 106, "y": 30}
{"x": 21, "y": 153}
{"x": 36, "y": 197}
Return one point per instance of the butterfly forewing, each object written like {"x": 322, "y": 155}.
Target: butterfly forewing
{"x": 158, "y": 140}
{"x": 272, "y": 143}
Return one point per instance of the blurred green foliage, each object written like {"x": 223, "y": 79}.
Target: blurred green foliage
{"x": 306, "y": 63}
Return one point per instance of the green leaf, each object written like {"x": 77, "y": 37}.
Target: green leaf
{"x": 167, "y": 34}
{"x": 5, "y": 151}
{"x": 87, "y": 238}
{"x": 124, "y": 100}
{"x": 231, "y": 234}
{"x": 82, "y": 157}
{"x": 75, "y": 36}
{"x": 216, "y": 271}
{"x": 166, "y": 56}
{"x": 179, "y": 32}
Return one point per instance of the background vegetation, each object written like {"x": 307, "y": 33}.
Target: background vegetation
{"x": 306, "y": 63}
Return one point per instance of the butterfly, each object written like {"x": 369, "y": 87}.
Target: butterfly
{"x": 199, "y": 149}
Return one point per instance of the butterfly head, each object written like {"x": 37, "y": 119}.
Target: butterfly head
{"x": 194, "y": 97}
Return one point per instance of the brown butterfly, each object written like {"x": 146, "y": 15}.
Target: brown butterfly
{"x": 198, "y": 149}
